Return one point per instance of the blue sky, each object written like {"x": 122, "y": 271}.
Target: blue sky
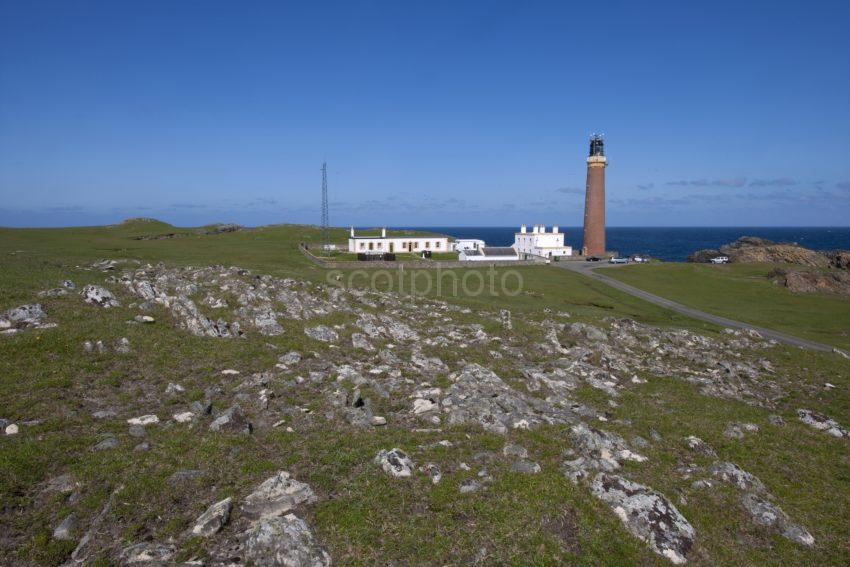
{"x": 428, "y": 113}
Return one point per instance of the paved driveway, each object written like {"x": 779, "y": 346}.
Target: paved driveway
{"x": 589, "y": 269}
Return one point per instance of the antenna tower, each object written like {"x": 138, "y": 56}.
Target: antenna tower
{"x": 325, "y": 229}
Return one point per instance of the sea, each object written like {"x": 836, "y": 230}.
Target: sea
{"x": 672, "y": 244}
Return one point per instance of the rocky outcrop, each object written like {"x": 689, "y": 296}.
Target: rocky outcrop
{"x": 647, "y": 515}
{"x": 277, "y": 495}
{"x": 23, "y": 317}
{"x": 395, "y": 462}
{"x": 802, "y": 281}
{"x": 751, "y": 249}
{"x": 97, "y": 295}
{"x": 213, "y": 519}
{"x": 284, "y": 541}
{"x": 822, "y": 423}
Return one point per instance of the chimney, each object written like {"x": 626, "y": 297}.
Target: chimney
{"x": 522, "y": 229}
{"x": 383, "y": 232}
{"x": 554, "y": 229}
{"x": 352, "y": 232}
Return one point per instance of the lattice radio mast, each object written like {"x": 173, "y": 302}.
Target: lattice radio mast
{"x": 325, "y": 228}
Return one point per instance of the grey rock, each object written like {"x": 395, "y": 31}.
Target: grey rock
{"x": 201, "y": 408}
{"x": 147, "y": 552}
{"x": 479, "y": 396}
{"x": 25, "y": 316}
{"x": 106, "y": 444}
{"x": 359, "y": 340}
{"x": 395, "y": 462}
{"x": 647, "y": 515}
{"x": 739, "y": 430}
{"x": 68, "y": 284}
{"x": 137, "y": 431}
{"x": 776, "y": 419}
{"x": 173, "y": 389}
{"x": 525, "y": 466}
{"x": 733, "y": 474}
{"x": 142, "y": 447}
{"x": 292, "y": 357}
{"x": 597, "y": 450}
{"x": 277, "y": 495}
{"x": 65, "y": 530}
{"x": 432, "y": 471}
{"x": 213, "y": 519}
{"x": 284, "y": 541}
{"x": 512, "y": 450}
{"x": 822, "y": 423}
{"x": 63, "y": 483}
{"x": 232, "y": 420}
{"x": 322, "y": 333}
{"x": 185, "y": 475}
{"x": 505, "y": 319}
{"x": 468, "y": 486}
{"x": 122, "y": 345}
{"x": 766, "y": 514}
{"x": 56, "y": 292}
{"x": 103, "y": 414}
{"x": 699, "y": 446}
{"x": 97, "y": 295}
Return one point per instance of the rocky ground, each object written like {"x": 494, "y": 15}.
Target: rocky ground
{"x": 751, "y": 249}
{"x": 373, "y": 361}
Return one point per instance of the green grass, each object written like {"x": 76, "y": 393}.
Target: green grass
{"x": 363, "y": 517}
{"x": 743, "y": 292}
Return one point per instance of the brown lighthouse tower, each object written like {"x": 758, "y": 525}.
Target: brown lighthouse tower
{"x": 593, "y": 243}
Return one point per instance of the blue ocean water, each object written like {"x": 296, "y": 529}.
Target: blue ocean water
{"x": 672, "y": 244}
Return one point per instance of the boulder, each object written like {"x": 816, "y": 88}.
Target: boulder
{"x": 322, "y": 333}
{"x": 97, "y": 295}
{"x": 213, "y": 519}
{"x": 284, "y": 541}
{"x": 22, "y": 317}
{"x": 395, "y": 462}
{"x": 147, "y": 552}
{"x": 277, "y": 495}
{"x": 647, "y": 515}
{"x": 822, "y": 423}
{"x": 767, "y": 514}
{"x": 232, "y": 420}
{"x": 65, "y": 530}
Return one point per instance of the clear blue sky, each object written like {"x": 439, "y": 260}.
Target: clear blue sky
{"x": 428, "y": 113}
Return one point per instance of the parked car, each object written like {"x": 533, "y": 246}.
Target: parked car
{"x": 592, "y": 259}
{"x": 720, "y": 260}
{"x": 613, "y": 260}
{"x": 640, "y": 259}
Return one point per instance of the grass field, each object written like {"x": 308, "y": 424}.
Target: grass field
{"x": 364, "y": 517}
{"x": 744, "y": 292}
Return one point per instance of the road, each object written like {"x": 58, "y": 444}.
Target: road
{"x": 589, "y": 269}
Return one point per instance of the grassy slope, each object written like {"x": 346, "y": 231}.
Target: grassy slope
{"x": 743, "y": 292}
{"x": 362, "y": 516}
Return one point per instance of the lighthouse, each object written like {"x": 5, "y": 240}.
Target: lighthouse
{"x": 593, "y": 243}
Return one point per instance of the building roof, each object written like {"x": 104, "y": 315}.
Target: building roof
{"x": 498, "y": 251}
{"x": 396, "y": 237}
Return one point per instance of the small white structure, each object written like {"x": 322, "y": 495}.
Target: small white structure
{"x": 467, "y": 244}
{"x": 394, "y": 244}
{"x": 540, "y": 243}
{"x": 489, "y": 254}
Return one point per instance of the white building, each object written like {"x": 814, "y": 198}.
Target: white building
{"x": 489, "y": 254}
{"x": 467, "y": 244}
{"x": 384, "y": 244}
{"x": 540, "y": 243}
